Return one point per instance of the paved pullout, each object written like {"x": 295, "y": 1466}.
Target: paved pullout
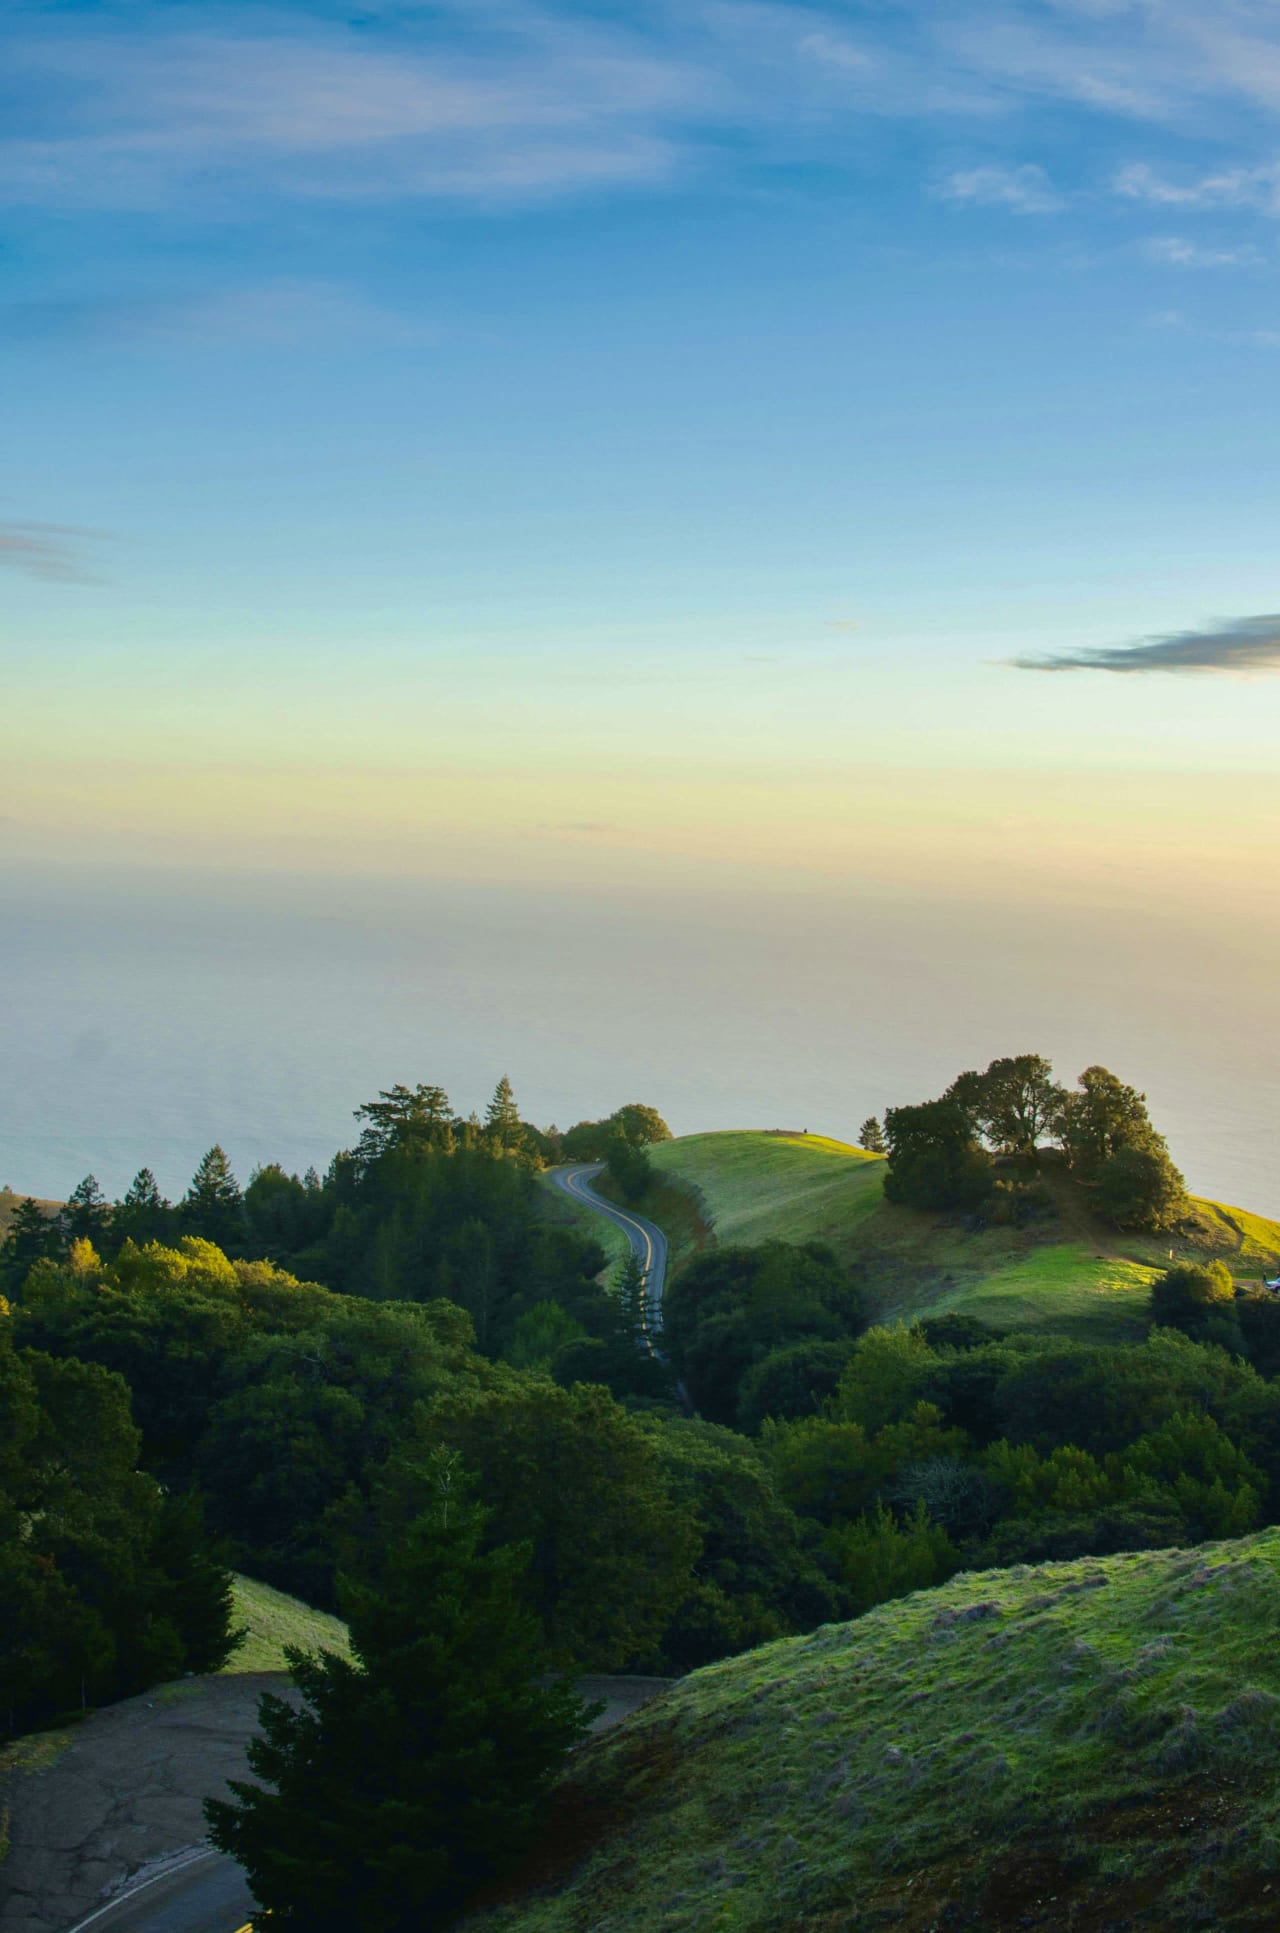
{"x": 648, "y": 1243}
{"x": 106, "y": 1820}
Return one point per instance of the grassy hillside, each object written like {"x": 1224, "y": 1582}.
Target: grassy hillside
{"x": 1084, "y": 1745}
{"x": 787, "y": 1187}
{"x": 272, "y": 1621}
{"x": 1068, "y": 1271}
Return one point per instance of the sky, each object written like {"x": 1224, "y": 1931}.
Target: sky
{"x": 789, "y": 451}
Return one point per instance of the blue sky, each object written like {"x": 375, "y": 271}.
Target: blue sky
{"x": 652, "y": 476}
{"x": 413, "y": 387}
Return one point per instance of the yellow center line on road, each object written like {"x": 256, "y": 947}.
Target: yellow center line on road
{"x": 619, "y": 1216}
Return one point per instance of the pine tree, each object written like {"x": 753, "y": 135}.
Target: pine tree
{"x": 417, "y": 1773}
{"x": 213, "y": 1205}
{"x": 411, "y": 1120}
{"x": 32, "y": 1235}
{"x": 502, "y": 1117}
{"x": 144, "y": 1215}
{"x": 871, "y": 1136}
{"x": 632, "y": 1302}
{"x": 87, "y": 1211}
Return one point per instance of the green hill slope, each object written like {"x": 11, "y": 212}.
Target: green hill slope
{"x": 1068, "y": 1271}
{"x": 271, "y": 1620}
{"x": 756, "y": 1187}
{"x": 1085, "y": 1745}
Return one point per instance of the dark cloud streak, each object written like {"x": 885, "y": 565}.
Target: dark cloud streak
{"x": 49, "y": 551}
{"x": 1241, "y": 644}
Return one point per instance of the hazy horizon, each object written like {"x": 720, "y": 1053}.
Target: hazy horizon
{"x": 150, "y": 1014}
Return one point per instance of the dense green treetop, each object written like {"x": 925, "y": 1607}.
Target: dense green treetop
{"x": 420, "y": 1769}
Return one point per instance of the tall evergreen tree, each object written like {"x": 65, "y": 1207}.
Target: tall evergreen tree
{"x": 32, "y": 1235}
{"x": 144, "y": 1215}
{"x": 871, "y": 1136}
{"x": 408, "y": 1119}
{"x": 417, "y": 1773}
{"x": 213, "y": 1205}
{"x": 87, "y": 1212}
{"x": 631, "y": 1301}
{"x": 502, "y": 1117}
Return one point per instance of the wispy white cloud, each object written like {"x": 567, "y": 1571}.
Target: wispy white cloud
{"x": 507, "y": 100}
{"x": 1175, "y": 251}
{"x": 144, "y": 118}
{"x": 1017, "y": 51}
{"x": 833, "y": 50}
{"x": 1025, "y": 190}
{"x": 1254, "y": 187}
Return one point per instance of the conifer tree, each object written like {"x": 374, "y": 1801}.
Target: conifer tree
{"x": 87, "y": 1211}
{"x": 871, "y": 1136}
{"x": 417, "y": 1773}
{"x": 32, "y": 1235}
{"x": 213, "y": 1205}
{"x": 632, "y": 1301}
{"x": 502, "y": 1117}
{"x": 144, "y": 1215}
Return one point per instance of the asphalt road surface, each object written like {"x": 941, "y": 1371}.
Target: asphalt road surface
{"x": 647, "y": 1240}
{"x": 200, "y": 1892}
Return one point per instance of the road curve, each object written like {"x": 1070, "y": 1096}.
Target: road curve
{"x": 202, "y": 1891}
{"x": 647, "y": 1240}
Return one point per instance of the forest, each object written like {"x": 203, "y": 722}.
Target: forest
{"x": 409, "y": 1369}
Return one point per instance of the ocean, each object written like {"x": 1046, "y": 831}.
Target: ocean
{"x": 146, "y": 1015}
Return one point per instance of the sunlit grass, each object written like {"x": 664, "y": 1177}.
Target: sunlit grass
{"x": 1061, "y": 1285}
{"x": 274, "y": 1620}
{"x": 755, "y": 1186}
{"x": 1091, "y": 1735}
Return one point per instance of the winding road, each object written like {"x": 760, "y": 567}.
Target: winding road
{"x": 648, "y": 1243}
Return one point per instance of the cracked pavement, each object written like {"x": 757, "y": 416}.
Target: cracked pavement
{"x": 93, "y": 1806}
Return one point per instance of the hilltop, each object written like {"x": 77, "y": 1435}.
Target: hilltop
{"x": 1067, "y": 1270}
{"x": 1080, "y": 1745}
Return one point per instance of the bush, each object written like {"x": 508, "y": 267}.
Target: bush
{"x": 934, "y": 1160}
{"x": 1184, "y": 1295}
{"x": 793, "y": 1381}
{"x": 1141, "y": 1188}
{"x": 879, "y": 1558}
{"x": 630, "y": 1167}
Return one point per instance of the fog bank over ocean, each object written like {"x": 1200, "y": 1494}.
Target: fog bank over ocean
{"x": 147, "y": 1015}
